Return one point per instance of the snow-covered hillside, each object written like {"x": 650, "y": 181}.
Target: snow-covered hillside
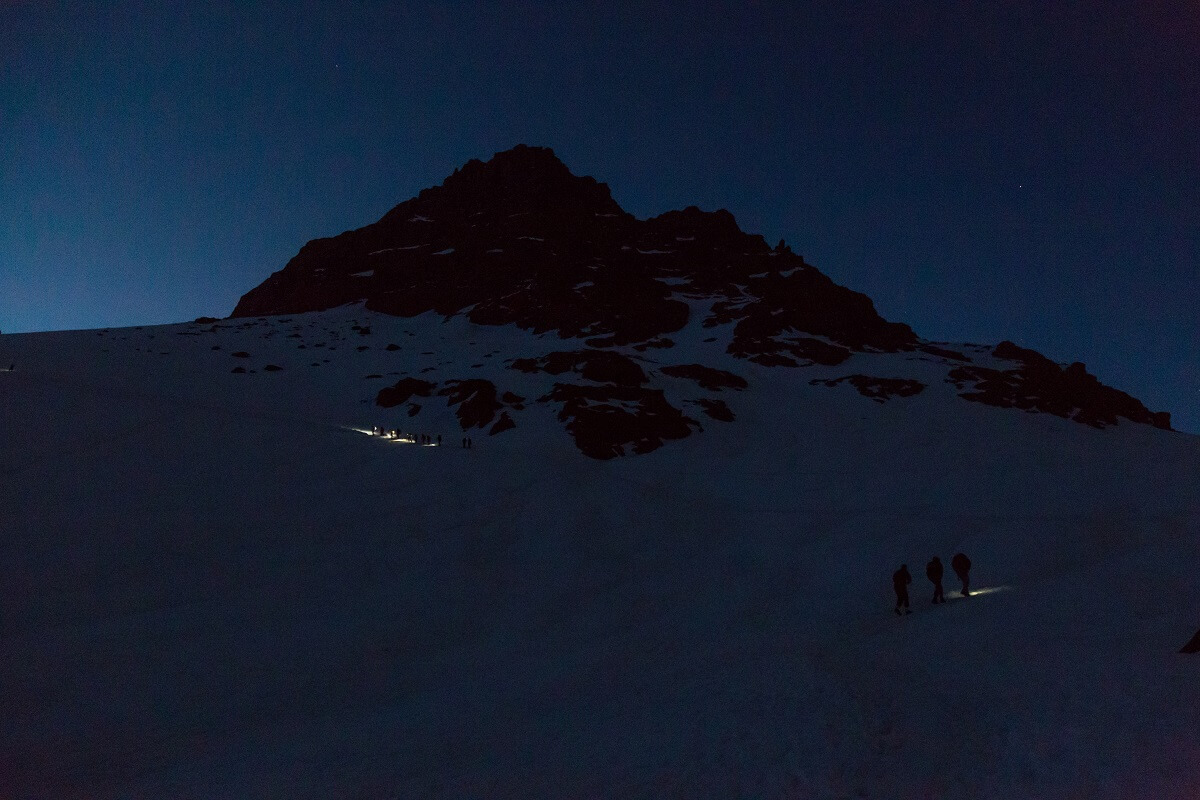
{"x": 212, "y": 585}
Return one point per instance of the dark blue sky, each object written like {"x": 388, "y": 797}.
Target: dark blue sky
{"x": 983, "y": 171}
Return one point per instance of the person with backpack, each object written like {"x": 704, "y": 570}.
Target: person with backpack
{"x": 962, "y": 568}
{"x": 900, "y": 581}
{"x": 933, "y": 571}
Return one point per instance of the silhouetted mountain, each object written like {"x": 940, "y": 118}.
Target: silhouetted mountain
{"x": 520, "y": 240}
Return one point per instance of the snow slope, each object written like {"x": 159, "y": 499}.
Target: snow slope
{"x": 213, "y": 586}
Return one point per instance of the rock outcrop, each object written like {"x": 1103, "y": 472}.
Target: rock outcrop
{"x": 878, "y": 389}
{"x": 1039, "y": 384}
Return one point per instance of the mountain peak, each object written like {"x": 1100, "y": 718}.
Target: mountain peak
{"x": 519, "y": 239}
{"x": 522, "y": 179}
{"x": 520, "y": 158}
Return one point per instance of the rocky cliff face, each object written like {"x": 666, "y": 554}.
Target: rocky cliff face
{"x": 520, "y": 240}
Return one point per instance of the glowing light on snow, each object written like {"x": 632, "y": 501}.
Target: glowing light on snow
{"x": 385, "y": 433}
{"x": 390, "y": 435}
{"x": 988, "y": 590}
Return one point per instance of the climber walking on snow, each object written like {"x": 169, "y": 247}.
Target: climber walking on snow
{"x": 900, "y": 581}
{"x": 962, "y": 568}
{"x": 933, "y": 571}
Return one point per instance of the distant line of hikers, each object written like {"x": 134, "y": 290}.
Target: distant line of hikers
{"x": 933, "y": 570}
{"x": 415, "y": 438}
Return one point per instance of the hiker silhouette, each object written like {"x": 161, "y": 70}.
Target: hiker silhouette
{"x": 933, "y": 571}
{"x": 962, "y": 568}
{"x": 900, "y": 581}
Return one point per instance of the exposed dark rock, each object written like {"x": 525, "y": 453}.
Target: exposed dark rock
{"x": 476, "y": 401}
{"x": 238, "y": 370}
{"x": 1041, "y": 385}
{"x": 525, "y": 365}
{"x": 205, "y": 320}
{"x": 878, "y": 389}
{"x": 272, "y": 368}
{"x": 942, "y": 352}
{"x": 606, "y": 367}
{"x": 392, "y": 347}
{"x": 1193, "y": 646}
{"x": 771, "y": 351}
{"x": 240, "y": 354}
{"x": 774, "y": 360}
{"x": 602, "y": 366}
{"x": 772, "y": 309}
{"x": 414, "y": 409}
{"x": 817, "y": 352}
{"x": 1012, "y": 352}
{"x": 503, "y": 424}
{"x": 604, "y": 420}
{"x": 403, "y": 389}
{"x": 709, "y": 378}
{"x": 716, "y": 409}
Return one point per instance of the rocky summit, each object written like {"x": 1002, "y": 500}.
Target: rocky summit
{"x": 519, "y": 240}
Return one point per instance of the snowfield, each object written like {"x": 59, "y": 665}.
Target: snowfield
{"x": 213, "y": 585}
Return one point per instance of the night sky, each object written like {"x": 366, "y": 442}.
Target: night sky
{"x": 984, "y": 171}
